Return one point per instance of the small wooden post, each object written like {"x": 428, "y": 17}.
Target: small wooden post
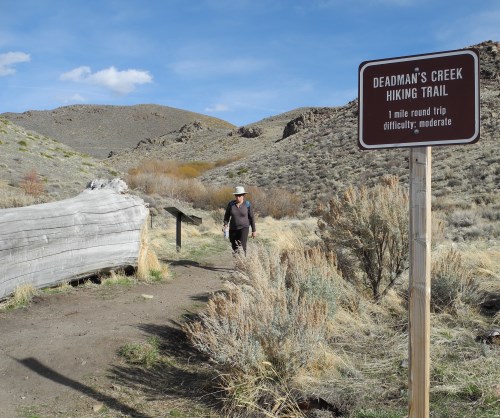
{"x": 178, "y": 231}
{"x": 419, "y": 286}
{"x": 181, "y": 217}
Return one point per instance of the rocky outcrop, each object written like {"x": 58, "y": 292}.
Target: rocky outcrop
{"x": 311, "y": 118}
{"x": 249, "y": 132}
{"x": 489, "y": 53}
{"x": 184, "y": 134}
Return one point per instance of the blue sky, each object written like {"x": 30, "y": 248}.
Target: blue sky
{"x": 239, "y": 60}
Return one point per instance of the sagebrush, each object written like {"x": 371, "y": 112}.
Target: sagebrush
{"x": 368, "y": 227}
{"x": 270, "y": 327}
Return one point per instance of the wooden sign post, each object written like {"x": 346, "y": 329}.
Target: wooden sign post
{"x": 417, "y": 102}
{"x": 181, "y": 217}
{"x": 420, "y": 282}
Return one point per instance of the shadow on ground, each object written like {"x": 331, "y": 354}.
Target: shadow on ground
{"x": 184, "y": 373}
{"x": 204, "y": 266}
{"x": 112, "y": 403}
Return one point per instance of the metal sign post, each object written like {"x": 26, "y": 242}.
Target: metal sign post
{"x": 417, "y": 102}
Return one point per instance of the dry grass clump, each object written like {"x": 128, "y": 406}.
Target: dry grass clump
{"x": 288, "y": 234}
{"x": 14, "y": 197}
{"x": 269, "y": 328}
{"x": 21, "y": 297}
{"x": 484, "y": 262}
{"x": 452, "y": 283}
{"x": 148, "y": 266}
{"x": 464, "y": 372}
{"x": 144, "y": 354}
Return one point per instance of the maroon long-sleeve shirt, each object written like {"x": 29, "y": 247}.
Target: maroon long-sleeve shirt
{"x": 239, "y": 217}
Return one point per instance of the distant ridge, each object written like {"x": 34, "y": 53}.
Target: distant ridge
{"x": 98, "y": 129}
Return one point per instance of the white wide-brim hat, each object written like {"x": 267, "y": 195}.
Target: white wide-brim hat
{"x": 239, "y": 190}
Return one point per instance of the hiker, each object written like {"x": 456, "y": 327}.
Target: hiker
{"x": 239, "y": 217}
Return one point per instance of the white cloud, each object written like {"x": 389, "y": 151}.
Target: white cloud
{"x": 9, "y": 59}
{"x": 217, "y": 108}
{"x": 78, "y": 74}
{"x": 119, "y": 82}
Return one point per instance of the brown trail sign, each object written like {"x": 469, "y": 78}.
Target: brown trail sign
{"x": 419, "y": 101}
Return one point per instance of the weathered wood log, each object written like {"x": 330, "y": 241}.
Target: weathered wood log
{"x": 46, "y": 244}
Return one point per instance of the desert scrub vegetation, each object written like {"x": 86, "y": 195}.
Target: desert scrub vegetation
{"x": 269, "y": 330}
{"x": 357, "y": 363}
{"x": 32, "y": 184}
{"x": 177, "y": 180}
{"x": 368, "y": 228}
{"x": 275, "y": 202}
{"x": 177, "y": 169}
{"x": 14, "y": 197}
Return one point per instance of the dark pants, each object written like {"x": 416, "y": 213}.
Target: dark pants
{"x": 239, "y": 238}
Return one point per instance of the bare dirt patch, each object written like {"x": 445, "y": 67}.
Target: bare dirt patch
{"x": 59, "y": 356}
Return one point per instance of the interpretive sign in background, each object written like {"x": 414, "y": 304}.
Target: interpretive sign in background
{"x": 419, "y": 100}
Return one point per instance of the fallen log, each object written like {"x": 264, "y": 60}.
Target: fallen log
{"x": 43, "y": 245}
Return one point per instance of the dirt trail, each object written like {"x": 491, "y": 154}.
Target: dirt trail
{"x": 50, "y": 350}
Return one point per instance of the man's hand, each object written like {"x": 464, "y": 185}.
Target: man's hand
{"x": 254, "y": 234}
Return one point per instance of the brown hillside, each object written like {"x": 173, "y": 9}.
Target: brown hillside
{"x": 98, "y": 130}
